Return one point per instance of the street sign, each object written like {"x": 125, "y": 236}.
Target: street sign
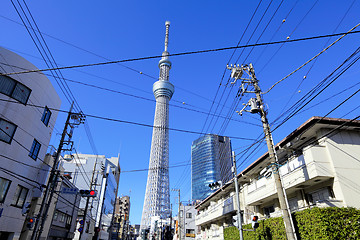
{"x": 69, "y": 190}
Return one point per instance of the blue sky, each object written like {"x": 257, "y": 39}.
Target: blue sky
{"x": 119, "y": 30}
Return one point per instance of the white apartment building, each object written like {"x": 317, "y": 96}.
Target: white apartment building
{"x": 186, "y": 222}
{"x": 25, "y": 132}
{"x": 105, "y": 174}
{"x": 318, "y": 164}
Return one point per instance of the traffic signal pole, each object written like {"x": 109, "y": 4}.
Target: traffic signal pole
{"x": 88, "y": 199}
{"x": 179, "y": 231}
{"x": 238, "y": 212}
{"x": 237, "y": 72}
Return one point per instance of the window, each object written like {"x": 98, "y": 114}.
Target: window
{"x": 14, "y": 89}
{"x": 68, "y": 219}
{"x": 46, "y": 116}
{"x": 7, "y": 131}
{"x": 268, "y": 210}
{"x": 188, "y": 215}
{"x": 20, "y": 196}
{"x": 55, "y": 215}
{"x": 35, "y": 148}
{"x": 62, "y": 217}
{"x": 4, "y": 187}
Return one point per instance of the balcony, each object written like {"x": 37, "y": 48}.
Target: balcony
{"x": 297, "y": 173}
{"x": 216, "y": 210}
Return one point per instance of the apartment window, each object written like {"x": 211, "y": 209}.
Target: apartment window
{"x": 7, "y": 130}
{"x": 14, "y": 89}
{"x": 35, "y": 148}
{"x": 68, "y": 219}
{"x": 4, "y": 187}
{"x": 268, "y": 210}
{"x": 55, "y": 215}
{"x": 62, "y": 217}
{"x": 293, "y": 204}
{"x": 188, "y": 215}
{"x": 20, "y": 196}
{"x": 46, "y": 116}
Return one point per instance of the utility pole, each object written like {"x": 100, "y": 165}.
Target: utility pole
{"x": 238, "y": 212}
{"x": 179, "y": 232}
{"x": 257, "y": 106}
{"x": 73, "y": 119}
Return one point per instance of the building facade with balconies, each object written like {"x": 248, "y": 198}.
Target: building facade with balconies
{"x": 318, "y": 165}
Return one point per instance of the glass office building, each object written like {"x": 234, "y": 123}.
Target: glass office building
{"x": 211, "y": 161}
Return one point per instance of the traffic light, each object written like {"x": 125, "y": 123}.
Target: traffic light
{"x": 25, "y": 209}
{"x": 215, "y": 185}
{"x": 30, "y": 223}
{"x": 81, "y": 227}
{"x": 254, "y": 221}
{"x": 87, "y": 193}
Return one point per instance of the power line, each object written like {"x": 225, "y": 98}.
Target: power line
{"x": 314, "y": 62}
{"x": 183, "y": 53}
{"x": 311, "y": 59}
{"x": 223, "y": 75}
{"x": 143, "y": 98}
{"x": 342, "y": 71}
{"x": 128, "y": 122}
{"x": 288, "y": 37}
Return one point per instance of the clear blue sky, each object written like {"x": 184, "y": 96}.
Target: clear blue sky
{"x": 129, "y": 29}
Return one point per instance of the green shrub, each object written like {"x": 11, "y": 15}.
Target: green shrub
{"x": 316, "y": 223}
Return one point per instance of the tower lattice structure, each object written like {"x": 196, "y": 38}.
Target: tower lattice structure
{"x": 157, "y": 195}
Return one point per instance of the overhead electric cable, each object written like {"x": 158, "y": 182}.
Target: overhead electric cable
{"x": 144, "y": 98}
{"x": 314, "y": 62}
{"x": 317, "y": 55}
{"x": 223, "y": 75}
{"x": 124, "y": 121}
{"x": 184, "y": 53}
{"x": 288, "y": 37}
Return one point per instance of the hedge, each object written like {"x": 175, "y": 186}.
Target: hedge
{"x": 316, "y": 223}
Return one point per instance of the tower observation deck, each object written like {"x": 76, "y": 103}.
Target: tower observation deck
{"x": 157, "y": 195}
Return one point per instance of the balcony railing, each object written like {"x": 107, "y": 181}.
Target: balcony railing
{"x": 293, "y": 173}
{"x": 216, "y": 210}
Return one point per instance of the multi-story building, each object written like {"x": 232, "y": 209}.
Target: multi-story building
{"x": 210, "y": 162}
{"x": 186, "y": 222}
{"x": 26, "y": 126}
{"x": 318, "y": 165}
{"x": 63, "y": 224}
{"x": 102, "y": 175}
{"x": 121, "y": 218}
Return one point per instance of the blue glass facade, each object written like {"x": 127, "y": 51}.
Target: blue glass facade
{"x": 211, "y": 162}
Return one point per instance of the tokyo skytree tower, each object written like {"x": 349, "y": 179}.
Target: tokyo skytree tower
{"x": 157, "y": 195}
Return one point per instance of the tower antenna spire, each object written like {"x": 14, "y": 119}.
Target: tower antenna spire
{"x": 167, "y": 25}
